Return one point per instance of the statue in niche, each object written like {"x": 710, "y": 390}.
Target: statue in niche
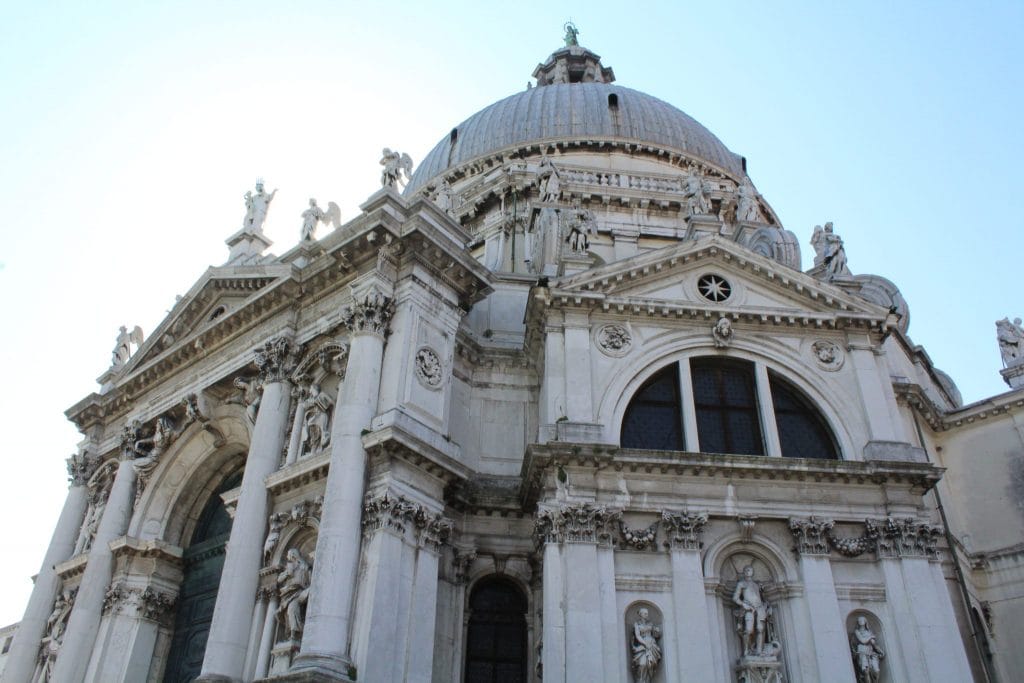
{"x": 123, "y": 348}
{"x": 867, "y": 656}
{"x": 581, "y": 224}
{"x": 251, "y": 392}
{"x": 695, "y": 190}
{"x": 93, "y": 515}
{"x": 293, "y": 589}
{"x": 316, "y": 434}
{"x": 549, "y": 182}
{"x": 646, "y": 651}
{"x": 256, "y": 206}
{"x": 1011, "y": 340}
{"x": 314, "y": 215}
{"x": 829, "y": 250}
{"x": 754, "y": 622}
{"x": 56, "y": 624}
{"x": 278, "y": 520}
{"x": 746, "y": 202}
{"x": 397, "y": 168}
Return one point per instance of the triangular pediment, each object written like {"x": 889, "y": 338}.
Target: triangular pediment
{"x": 672, "y": 276}
{"x": 218, "y": 299}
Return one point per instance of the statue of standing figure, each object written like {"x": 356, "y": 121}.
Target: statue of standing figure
{"x": 867, "y": 656}
{"x": 754, "y": 620}
{"x": 251, "y": 393}
{"x": 293, "y": 589}
{"x": 314, "y": 215}
{"x": 256, "y": 206}
{"x": 1011, "y": 340}
{"x": 549, "y": 183}
{"x": 695, "y": 190}
{"x": 316, "y": 434}
{"x": 123, "y": 348}
{"x": 829, "y": 249}
{"x": 746, "y": 202}
{"x": 646, "y": 651}
{"x": 397, "y": 168}
{"x": 572, "y": 34}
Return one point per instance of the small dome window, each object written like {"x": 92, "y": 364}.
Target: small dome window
{"x": 613, "y": 101}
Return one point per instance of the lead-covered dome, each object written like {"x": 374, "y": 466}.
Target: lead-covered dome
{"x": 575, "y": 100}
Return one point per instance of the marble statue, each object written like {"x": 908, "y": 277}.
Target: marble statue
{"x": 646, "y": 651}
{"x": 293, "y": 589}
{"x": 572, "y": 34}
{"x": 829, "y": 250}
{"x": 256, "y": 206}
{"x": 1011, "y": 340}
{"x": 443, "y": 198}
{"x": 278, "y": 520}
{"x": 55, "y": 627}
{"x": 694, "y": 187}
{"x": 754, "y": 617}
{"x": 867, "y": 656}
{"x": 722, "y": 333}
{"x": 746, "y": 202}
{"x": 316, "y": 434}
{"x": 581, "y": 224}
{"x": 550, "y": 183}
{"x": 397, "y": 168}
{"x": 93, "y": 515}
{"x": 314, "y": 215}
{"x": 123, "y": 348}
{"x": 251, "y": 394}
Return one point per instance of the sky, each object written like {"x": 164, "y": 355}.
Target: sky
{"x": 130, "y": 131}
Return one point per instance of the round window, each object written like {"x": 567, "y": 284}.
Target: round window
{"x": 714, "y": 287}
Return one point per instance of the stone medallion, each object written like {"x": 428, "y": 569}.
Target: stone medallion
{"x": 614, "y": 340}
{"x": 828, "y": 354}
{"x": 428, "y": 368}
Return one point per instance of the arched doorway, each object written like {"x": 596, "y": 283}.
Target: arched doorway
{"x": 496, "y": 637}
{"x": 204, "y": 561}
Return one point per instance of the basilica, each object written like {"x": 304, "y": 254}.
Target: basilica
{"x": 559, "y": 404}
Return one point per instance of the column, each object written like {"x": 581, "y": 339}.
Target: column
{"x": 266, "y": 639}
{"x": 259, "y": 614}
{"x": 693, "y": 624}
{"x": 611, "y": 624}
{"x": 552, "y": 388}
{"x": 328, "y": 627}
{"x": 295, "y": 442}
{"x": 553, "y": 636}
{"x": 422, "y": 627}
{"x": 229, "y": 630}
{"x": 88, "y": 610}
{"x": 21, "y": 658}
{"x": 831, "y": 642}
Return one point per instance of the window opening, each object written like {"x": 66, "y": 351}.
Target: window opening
{"x": 724, "y": 399}
{"x": 653, "y": 419}
{"x": 496, "y": 635}
{"x": 803, "y": 432}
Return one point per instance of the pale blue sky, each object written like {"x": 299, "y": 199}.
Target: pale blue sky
{"x": 131, "y": 131}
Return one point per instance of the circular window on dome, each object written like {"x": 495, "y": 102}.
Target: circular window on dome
{"x": 714, "y": 287}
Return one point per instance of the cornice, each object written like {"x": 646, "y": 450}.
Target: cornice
{"x": 941, "y": 420}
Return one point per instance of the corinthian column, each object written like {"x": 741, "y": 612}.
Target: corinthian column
{"x": 327, "y": 631}
{"x": 88, "y": 611}
{"x": 232, "y": 616}
{"x": 21, "y": 658}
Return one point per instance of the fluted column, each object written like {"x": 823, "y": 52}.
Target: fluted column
{"x": 229, "y": 631}
{"x": 328, "y": 627}
{"x": 88, "y": 610}
{"x": 21, "y": 658}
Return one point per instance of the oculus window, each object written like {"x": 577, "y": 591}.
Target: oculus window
{"x": 724, "y": 395}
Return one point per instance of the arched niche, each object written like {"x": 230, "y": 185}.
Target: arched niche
{"x": 645, "y": 642}
{"x": 878, "y": 630}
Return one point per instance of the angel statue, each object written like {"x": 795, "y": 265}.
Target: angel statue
{"x": 314, "y": 215}
{"x": 829, "y": 249}
{"x": 397, "y": 168}
{"x": 123, "y": 349}
{"x": 1011, "y": 340}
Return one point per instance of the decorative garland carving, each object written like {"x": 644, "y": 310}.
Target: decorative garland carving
{"x": 639, "y": 539}
{"x": 427, "y": 366}
{"x": 853, "y": 546}
{"x": 811, "y": 535}
{"x": 577, "y": 523}
{"x": 99, "y": 490}
{"x": 685, "y": 530}
{"x": 372, "y": 314}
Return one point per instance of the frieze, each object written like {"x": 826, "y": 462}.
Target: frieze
{"x": 811, "y": 535}
{"x": 577, "y": 523}
{"x": 684, "y": 530}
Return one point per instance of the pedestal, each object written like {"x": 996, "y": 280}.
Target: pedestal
{"x": 755, "y": 669}
{"x": 281, "y": 656}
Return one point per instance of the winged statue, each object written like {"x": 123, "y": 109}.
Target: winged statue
{"x": 123, "y": 349}
{"x": 315, "y": 215}
{"x": 397, "y": 168}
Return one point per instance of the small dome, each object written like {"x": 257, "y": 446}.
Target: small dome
{"x": 558, "y": 111}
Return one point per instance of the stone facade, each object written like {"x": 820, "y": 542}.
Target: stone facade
{"x": 339, "y": 462}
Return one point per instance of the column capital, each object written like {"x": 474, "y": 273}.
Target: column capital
{"x": 370, "y": 314}
{"x": 276, "y": 359}
{"x": 81, "y": 466}
{"x": 811, "y": 535}
{"x": 684, "y": 530}
{"x": 577, "y": 523}
{"x": 904, "y": 537}
{"x": 140, "y": 602}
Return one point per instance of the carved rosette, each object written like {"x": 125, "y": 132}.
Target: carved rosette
{"x": 684, "y": 530}
{"x": 827, "y": 354}
{"x": 369, "y": 316}
{"x": 276, "y": 360}
{"x": 614, "y": 340}
{"x": 905, "y": 537}
{"x": 428, "y": 368}
{"x": 811, "y": 535}
{"x": 577, "y": 523}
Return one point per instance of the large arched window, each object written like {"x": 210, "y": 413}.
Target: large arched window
{"x": 496, "y": 637}
{"x": 736, "y": 407}
{"x": 204, "y": 561}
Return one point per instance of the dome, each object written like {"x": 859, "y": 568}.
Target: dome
{"x": 556, "y": 111}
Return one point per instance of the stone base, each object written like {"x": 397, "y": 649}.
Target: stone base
{"x": 312, "y": 668}
{"x": 1014, "y": 375}
{"x": 281, "y": 656}
{"x": 759, "y": 670}
{"x": 700, "y": 226}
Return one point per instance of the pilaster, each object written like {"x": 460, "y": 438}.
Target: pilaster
{"x": 684, "y": 532}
